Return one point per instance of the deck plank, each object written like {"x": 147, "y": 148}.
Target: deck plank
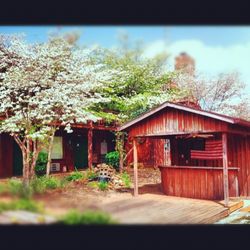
{"x": 162, "y": 209}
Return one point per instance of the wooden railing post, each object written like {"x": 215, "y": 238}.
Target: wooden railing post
{"x": 225, "y": 169}
{"x": 135, "y": 168}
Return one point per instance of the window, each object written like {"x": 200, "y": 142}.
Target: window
{"x": 57, "y": 149}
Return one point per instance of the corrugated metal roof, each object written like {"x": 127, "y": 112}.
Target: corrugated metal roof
{"x": 214, "y": 115}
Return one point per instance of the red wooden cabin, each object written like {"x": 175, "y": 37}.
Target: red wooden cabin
{"x": 201, "y": 154}
{"x": 86, "y": 146}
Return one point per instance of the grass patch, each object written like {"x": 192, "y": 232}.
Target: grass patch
{"x": 76, "y": 175}
{"x": 38, "y": 185}
{"x": 93, "y": 184}
{"x": 103, "y": 185}
{"x": 126, "y": 179}
{"x": 89, "y": 217}
{"x": 91, "y": 175}
{"x": 17, "y": 188}
{"x": 22, "y": 204}
{"x": 3, "y": 188}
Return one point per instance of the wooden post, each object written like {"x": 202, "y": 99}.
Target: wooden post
{"x": 225, "y": 169}
{"x": 121, "y": 145}
{"x": 135, "y": 168}
{"x": 90, "y": 147}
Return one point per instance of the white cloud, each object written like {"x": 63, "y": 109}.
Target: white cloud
{"x": 209, "y": 59}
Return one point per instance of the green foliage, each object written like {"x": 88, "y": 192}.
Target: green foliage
{"x": 37, "y": 185}
{"x": 113, "y": 158}
{"x": 17, "y": 188}
{"x": 93, "y": 184}
{"x": 50, "y": 182}
{"x": 126, "y": 179}
{"x": 41, "y": 163}
{"x": 2, "y": 188}
{"x": 89, "y": 217}
{"x": 103, "y": 185}
{"x": 142, "y": 84}
{"x": 76, "y": 175}
{"x": 21, "y": 204}
{"x": 91, "y": 174}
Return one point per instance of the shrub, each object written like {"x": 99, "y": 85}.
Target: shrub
{"x": 3, "y": 188}
{"x": 91, "y": 175}
{"x": 51, "y": 182}
{"x": 103, "y": 185}
{"x": 22, "y": 204}
{"x": 89, "y": 217}
{"x": 93, "y": 184}
{"x": 41, "y": 163}
{"x": 17, "y": 188}
{"x": 76, "y": 175}
{"x": 38, "y": 185}
{"x": 113, "y": 158}
{"x": 126, "y": 179}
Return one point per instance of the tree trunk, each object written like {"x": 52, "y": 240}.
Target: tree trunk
{"x": 49, "y": 153}
{"x": 34, "y": 159}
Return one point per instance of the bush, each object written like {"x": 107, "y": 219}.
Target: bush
{"x": 41, "y": 163}
{"x": 126, "y": 179}
{"x": 22, "y": 204}
{"x": 38, "y": 185}
{"x": 91, "y": 175}
{"x": 51, "y": 182}
{"x": 76, "y": 175}
{"x": 112, "y": 159}
{"x": 3, "y": 188}
{"x": 17, "y": 188}
{"x": 103, "y": 185}
{"x": 89, "y": 217}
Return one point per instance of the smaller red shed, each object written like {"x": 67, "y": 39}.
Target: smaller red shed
{"x": 205, "y": 155}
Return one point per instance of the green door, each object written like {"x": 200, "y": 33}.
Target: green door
{"x": 17, "y": 160}
{"x": 80, "y": 151}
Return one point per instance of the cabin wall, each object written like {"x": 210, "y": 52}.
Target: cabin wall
{"x": 7, "y": 149}
{"x": 98, "y": 137}
{"x": 239, "y": 156}
{"x": 197, "y": 183}
{"x": 172, "y": 120}
{"x": 6, "y": 155}
{"x": 150, "y": 152}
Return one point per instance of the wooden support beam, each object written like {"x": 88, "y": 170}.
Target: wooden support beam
{"x": 225, "y": 169}
{"x": 135, "y": 168}
{"x": 90, "y": 147}
{"x": 121, "y": 145}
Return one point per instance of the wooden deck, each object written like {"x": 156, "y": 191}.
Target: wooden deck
{"x": 162, "y": 209}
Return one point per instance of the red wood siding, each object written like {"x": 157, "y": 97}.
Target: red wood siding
{"x": 172, "y": 120}
{"x": 239, "y": 156}
{"x": 150, "y": 152}
{"x": 197, "y": 183}
{"x": 6, "y": 158}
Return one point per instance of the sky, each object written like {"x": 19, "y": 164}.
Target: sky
{"x": 216, "y": 49}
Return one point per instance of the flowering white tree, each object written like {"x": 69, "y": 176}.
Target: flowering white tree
{"x": 42, "y": 87}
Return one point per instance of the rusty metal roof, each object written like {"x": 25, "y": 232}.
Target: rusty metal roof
{"x": 214, "y": 115}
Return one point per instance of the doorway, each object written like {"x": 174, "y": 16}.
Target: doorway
{"x": 80, "y": 151}
{"x": 17, "y": 160}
